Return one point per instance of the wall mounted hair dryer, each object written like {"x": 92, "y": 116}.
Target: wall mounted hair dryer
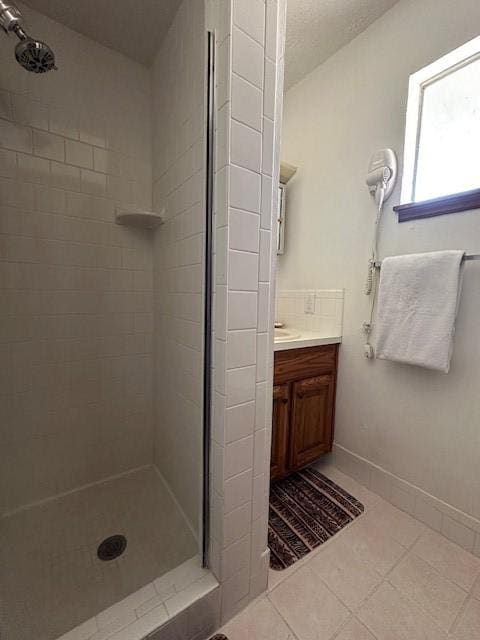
{"x": 381, "y": 179}
{"x": 382, "y": 175}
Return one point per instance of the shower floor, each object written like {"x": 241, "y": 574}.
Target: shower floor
{"x": 51, "y": 579}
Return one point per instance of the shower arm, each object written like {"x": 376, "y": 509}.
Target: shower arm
{"x": 33, "y": 55}
{"x": 11, "y": 19}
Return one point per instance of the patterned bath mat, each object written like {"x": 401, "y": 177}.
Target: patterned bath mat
{"x": 306, "y": 509}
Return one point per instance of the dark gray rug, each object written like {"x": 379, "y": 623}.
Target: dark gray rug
{"x": 306, "y": 510}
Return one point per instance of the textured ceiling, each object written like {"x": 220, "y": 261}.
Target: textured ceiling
{"x": 315, "y": 28}
{"x": 318, "y": 28}
{"x": 133, "y": 27}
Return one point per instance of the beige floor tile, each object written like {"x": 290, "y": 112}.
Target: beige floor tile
{"x": 419, "y": 581}
{"x": 358, "y": 491}
{"x": 476, "y": 589}
{"x": 275, "y": 577}
{"x": 345, "y": 573}
{"x": 372, "y": 545}
{"x": 391, "y": 616}
{"x": 450, "y": 560}
{"x": 468, "y": 627}
{"x": 398, "y": 524}
{"x": 259, "y": 621}
{"x": 354, "y": 630}
{"x": 310, "y": 609}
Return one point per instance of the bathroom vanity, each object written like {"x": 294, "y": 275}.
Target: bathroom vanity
{"x": 303, "y": 402}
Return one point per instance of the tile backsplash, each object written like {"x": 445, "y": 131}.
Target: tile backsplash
{"x": 316, "y": 310}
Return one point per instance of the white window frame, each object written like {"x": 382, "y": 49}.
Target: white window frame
{"x": 442, "y": 67}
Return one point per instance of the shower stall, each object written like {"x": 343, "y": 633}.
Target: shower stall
{"x": 102, "y": 278}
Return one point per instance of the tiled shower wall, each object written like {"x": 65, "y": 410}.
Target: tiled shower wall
{"x": 76, "y": 289}
{"x": 250, "y": 39}
{"x": 178, "y": 257}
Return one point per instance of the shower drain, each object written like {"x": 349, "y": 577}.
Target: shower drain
{"x": 112, "y": 547}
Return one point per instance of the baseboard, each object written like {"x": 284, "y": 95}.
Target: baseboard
{"x": 454, "y": 524}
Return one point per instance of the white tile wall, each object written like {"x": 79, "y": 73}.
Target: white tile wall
{"x": 240, "y": 385}
{"x": 242, "y": 310}
{"x": 197, "y": 621}
{"x": 239, "y": 421}
{"x": 243, "y": 271}
{"x": 153, "y": 607}
{"x": 245, "y": 189}
{"x": 116, "y": 169}
{"x": 246, "y": 103}
{"x": 178, "y": 185}
{"x": 241, "y": 348}
{"x": 327, "y": 318}
{"x": 247, "y": 57}
{"x": 251, "y": 18}
{"x": 244, "y": 231}
{"x": 247, "y": 143}
{"x": 75, "y": 287}
{"x": 246, "y": 146}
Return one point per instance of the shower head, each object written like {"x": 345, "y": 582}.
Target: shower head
{"x": 32, "y": 55}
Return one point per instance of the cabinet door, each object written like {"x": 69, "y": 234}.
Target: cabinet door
{"x": 312, "y": 419}
{"x": 280, "y": 420}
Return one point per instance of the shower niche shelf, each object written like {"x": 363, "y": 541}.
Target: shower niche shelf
{"x": 139, "y": 218}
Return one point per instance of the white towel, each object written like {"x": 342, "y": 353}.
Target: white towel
{"x": 417, "y": 305}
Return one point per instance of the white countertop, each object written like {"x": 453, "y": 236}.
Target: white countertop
{"x": 305, "y": 339}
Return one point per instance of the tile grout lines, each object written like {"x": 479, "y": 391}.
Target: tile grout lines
{"x": 384, "y": 579}
{"x": 466, "y": 602}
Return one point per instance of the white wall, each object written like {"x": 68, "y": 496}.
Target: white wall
{"x": 421, "y": 426}
{"x": 178, "y": 77}
{"x": 75, "y": 299}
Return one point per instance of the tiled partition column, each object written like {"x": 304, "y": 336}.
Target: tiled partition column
{"x": 249, "y": 73}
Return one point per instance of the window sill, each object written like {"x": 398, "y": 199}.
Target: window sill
{"x": 454, "y": 203}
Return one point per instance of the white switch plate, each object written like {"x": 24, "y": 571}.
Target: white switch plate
{"x": 309, "y": 303}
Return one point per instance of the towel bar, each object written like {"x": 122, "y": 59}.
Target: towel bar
{"x": 468, "y": 256}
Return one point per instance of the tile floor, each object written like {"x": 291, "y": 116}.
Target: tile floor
{"x": 385, "y": 577}
{"x": 50, "y": 577}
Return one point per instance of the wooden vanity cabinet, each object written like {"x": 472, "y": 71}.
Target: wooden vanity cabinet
{"x": 280, "y": 432}
{"x": 303, "y": 407}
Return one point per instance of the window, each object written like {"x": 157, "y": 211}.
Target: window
{"x": 442, "y": 138}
